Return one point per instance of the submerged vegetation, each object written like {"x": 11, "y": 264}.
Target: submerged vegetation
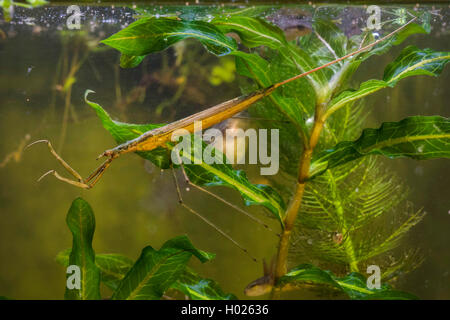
{"x": 340, "y": 210}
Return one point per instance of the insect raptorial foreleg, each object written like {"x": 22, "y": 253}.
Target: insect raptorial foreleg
{"x": 79, "y": 181}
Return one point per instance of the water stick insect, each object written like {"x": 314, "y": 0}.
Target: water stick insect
{"x": 162, "y": 136}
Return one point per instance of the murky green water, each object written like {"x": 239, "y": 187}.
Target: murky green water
{"x": 135, "y": 203}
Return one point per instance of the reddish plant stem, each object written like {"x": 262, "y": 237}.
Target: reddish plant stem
{"x": 295, "y": 204}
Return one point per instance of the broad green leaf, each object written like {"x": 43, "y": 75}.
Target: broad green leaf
{"x": 354, "y": 284}
{"x": 293, "y": 100}
{"x": 197, "y": 288}
{"x": 348, "y": 96}
{"x": 149, "y": 35}
{"x": 411, "y": 61}
{"x": 328, "y": 40}
{"x": 414, "y": 61}
{"x": 203, "y": 174}
{"x": 113, "y": 267}
{"x": 417, "y": 137}
{"x": 395, "y": 40}
{"x": 81, "y": 222}
{"x": 253, "y": 66}
{"x": 253, "y": 32}
{"x": 303, "y": 61}
{"x": 156, "y": 270}
{"x": 328, "y": 43}
{"x": 127, "y": 61}
{"x": 223, "y": 175}
{"x": 409, "y": 30}
{"x": 122, "y": 132}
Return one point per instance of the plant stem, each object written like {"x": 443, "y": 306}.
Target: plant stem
{"x": 294, "y": 206}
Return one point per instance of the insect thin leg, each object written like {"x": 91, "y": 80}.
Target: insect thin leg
{"x": 79, "y": 182}
{"x": 230, "y": 204}
{"x": 180, "y": 200}
{"x": 60, "y": 160}
{"x": 188, "y": 181}
{"x": 98, "y": 173}
{"x": 61, "y": 178}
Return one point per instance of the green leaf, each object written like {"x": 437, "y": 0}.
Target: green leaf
{"x": 253, "y": 32}
{"x": 414, "y": 61}
{"x": 328, "y": 43}
{"x": 202, "y": 174}
{"x": 293, "y": 100}
{"x": 411, "y": 61}
{"x": 122, "y": 132}
{"x": 353, "y": 284}
{"x": 81, "y": 222}
{"x": 348, "y": 96}
{"x": 156, "y": 270}
{"x": 325, "y": 44}
{"x": 209, "y": 175}
{"x": 197, "y": 288}
{"x": 409, "y": 30}
{"x": 397, "y": 39}
{"x": 127, "y": 61}
{"x": 417, "y": 137}
{"x": 149, "y": 35}
{"x": 303, "y": 61}
{"x": 223, "y": 175}
{"x": 113, "y": 267}
{"x": 253, "y": 66}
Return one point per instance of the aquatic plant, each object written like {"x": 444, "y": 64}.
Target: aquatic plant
{"x": 339, "y": 190}
{"x": 7, "y": 6}
{"x": 149, "y": 277}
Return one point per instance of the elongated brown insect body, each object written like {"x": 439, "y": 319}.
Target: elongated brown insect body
{"x": 209, "y": 117}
